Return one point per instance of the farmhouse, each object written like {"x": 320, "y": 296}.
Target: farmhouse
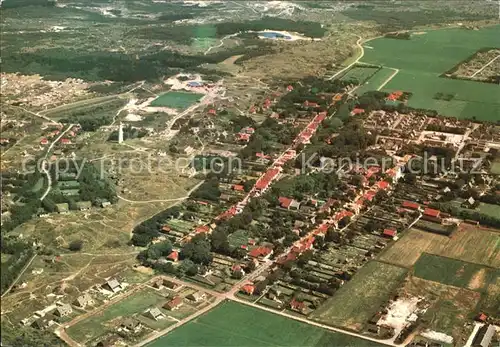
{"x": 130, "y": 325}
{"x": 63, "y": 310}
{"x": 196, "y": 297}
{"x": 112, "y": 285}
{"x": 62, "y": 208}
{"x": 173, "y": 304}
{"x": 84, "y": 300}
{"x": 298, "y": 306}
{"x": 173, "y": 256}
{"x": 155, "y": 313}
{"x": 248, "y": 289}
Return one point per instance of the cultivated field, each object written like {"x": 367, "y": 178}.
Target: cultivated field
{"x": 490, "y": 303}
{"x": 420, "y": 71}
{"x": 454, "y": 272}
{"x": 468, "y": 244}
{"x": 376, "y": 81}
{"x": 178, "y": 100}
{"x": 233, "y": 324}
{"x": 360, "y": 298}
{"x": 495, "y": 167}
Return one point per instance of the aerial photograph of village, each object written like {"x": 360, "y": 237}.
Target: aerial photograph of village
{"x": 250, "y": 173}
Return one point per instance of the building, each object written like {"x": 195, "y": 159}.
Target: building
{"x": 298, "y": 306}
{"x": 410, "y": 205}
{"x": 484, "y": 336}
{"x": 112, "y": 285}
{"x": 63, "y": 310}
{"x": 196, "y": 297}
{"x": 83, "y": 205}
{"x": 261, "y": 252}
{"x": 174, "y": 256}
{"x": 130, "y": 325}
{"x": 248, "y": 289}
{"x": 173, "y": 304}
{"x": 84, "y": 300}
{"x": 62, "y": 208}
{"x": 155, "y": 313}
{"x": 391, "y": 233}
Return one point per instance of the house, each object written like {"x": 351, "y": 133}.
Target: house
{"x": 62, "y": 208}
{"x": 83, "y": 205}
{"x": 155, "y": 313}
{"x": 383, "y": 185}
{"x": 105, "y": 203}
{"x": 410, "y": 205}
{"x": 197, "y": 296}
{"x": 481, "y": 317}
{"x": 173, "y": 304}
{"x": 112, "y": 285}
{"x": 84, "y": 300}
{"x": 42, "y": 323}
{"x": 289, "y": 88}
{"x": 65, "y": 141}
{"x": 202, "y": 229}
{"x": 289, "y": 204}
{"x": 173, "y": 256}
{"x": 130, "y": 325}
{"x": 248, "y": 289}
{"x": 390, "y": 233}
{"x": 165, "y": 229}
{"x": 170, "y": 284}
{"x": 237, "y": 270}
{"x": 212, "y": 112}
{"x": 484, "y": 336}
{"x": 109, "y": 341}
{"x": 429, "y": 212}
{"x": 298, "y": 306}
{"x": 469, "y": 203}
{"x": 44, "y": 141}
{"x": 243, "y": 137}
{"x": 261, "y": 252}
{"x": 357, "y": 111}
{"x": 238, "y": 187}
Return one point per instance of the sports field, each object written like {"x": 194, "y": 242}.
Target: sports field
{"x": 376, "y": 81}
{"x": 454, "y": 272}
{"x": 233, "y": 324}
{"x": 177, "y": 100}
{"x": 468, "y": 244}
{"x": 423, "y": 58}
{"x": 358, "y": 300}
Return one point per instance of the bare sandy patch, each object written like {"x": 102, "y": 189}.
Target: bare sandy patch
{"x": 478, "y": 280}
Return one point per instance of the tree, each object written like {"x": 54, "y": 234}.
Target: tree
{"x": 76, "y": 245}
{"x": 219, "y": 242}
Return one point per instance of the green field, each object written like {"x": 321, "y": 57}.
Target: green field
{"x": 454, "y": 272}
{"x": 177, "y": 100}
{"x": 495, "y": 167}
{"x": 359, "y": 73}
{"x": 233, "y": 324}
{"x": 376, "y": 81}
{"x": 95, "y": 326}
{"x": 423, "y": 58}
{"x": 360, "y": 298}
{"x": 489, "y": 209}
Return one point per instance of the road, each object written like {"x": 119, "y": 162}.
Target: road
{"x": 389, "y": 78}
{"x": 19, "y": 276}
{"x": 485, "y": 66}
{"x": 221, "y": 43}
{"x": 358, "y": 43}
{"x": 166, "y": 200}
{"x": 43, "y": 167}
{"x": 37, "y": 114}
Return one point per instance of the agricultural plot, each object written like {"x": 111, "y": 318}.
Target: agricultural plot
{"x": 490, "y": 302}
{"x": 177, "y": 100}
{"x": 454, "y": 272}
{"x": 420, "y": 71}
{"x": 375, "y": 81}
{"x": 468, "y": 244}
{"x": 495, "y": 167}
{"x": 489, "y": 209}
{"x": 359, "y": 73}
{"x": 233, "y": 324}
{"x": 359, "y": 299}
{"x": 98, "y": 324}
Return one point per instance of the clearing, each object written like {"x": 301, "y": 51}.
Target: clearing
{"x": 233, "y": 324}
{"x": 359, "y": 299}
{"x": 468, "y": 244}
{"x": 454, "y": 272}
{"x": 177, "y": 100}
{"x": 420, "y": 71}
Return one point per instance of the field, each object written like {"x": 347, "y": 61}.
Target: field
{"x": 360, "y": 298}
{"x": 490, "y": 302}
{"x": 420, "y": 71}
{"x": 96, "y": 325}
{"x": 177, "y": 100}
{"x": 468, "y": 244}
{"x": 376, "y": 81}
{"x": 233, "y": 324}
{"x": 495, "y": 167}
{"x": 450, "y": 306}
{"x": 454, "y": 272}
{"x": 359, "y": 73}
{"x": 489, "y": 209}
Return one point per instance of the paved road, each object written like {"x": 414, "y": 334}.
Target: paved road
{"x": 358, "y": 43}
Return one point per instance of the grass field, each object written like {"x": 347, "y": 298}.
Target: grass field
{"x": 468, "y": 244}
{"x": 490, "y": 210}
{"x": 376, "y": 81}
{"x": 95, "y": 326}
{"x": 359, "y": 73}
{"x": 495, "y": 167}
{"x": 360, "y": 298}
{"x": 233, "y": 324}
{"x": 177, "y": 100}
{"x": 490, "y": 302}
{"x": 419, "y": 70}
{"x": 454, "y": 272}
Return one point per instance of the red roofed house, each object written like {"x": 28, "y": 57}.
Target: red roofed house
{"x": 166, "y": 229}
{"x": 202, "y": 229}
{"x": 298, "y": 306}
{"x": 44, "y": 141}
{"x": 248, "y": 289}
{"x": 252, "y": 109}
{"x": 212, "y": 112}
{"x": 261, "y": 252}
{"x": 291, "y": 256}
{"x": 390, "y": 233}
{"x": 238, "y": 187}
{"x": 173, "y": 304}
{"x": 243, "y": 137}
{"x": 289, "y": 88}
{"x": 432, "y": 213}
{"x": 383, "y": 185}
{"x": 410, "y": 205}
{"x": 357, "y": 111}
{"x": 65, "y": 141}
{"x": 174, "y": 256}
{"x": 481, "y": 317}
{"x": 307, "y": 103}
{"x": 264, "y": 181}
